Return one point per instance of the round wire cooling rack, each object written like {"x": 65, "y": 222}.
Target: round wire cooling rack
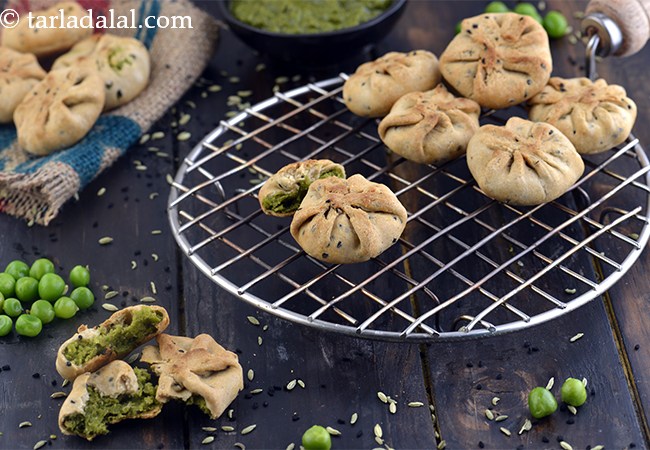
{"x": 465, "y": 266}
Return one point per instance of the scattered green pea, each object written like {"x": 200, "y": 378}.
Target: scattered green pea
{"x": 496, "y": 7}
{"x": 2, "y": 301}
{"x": 573, "y": 392}
{"x": 316, "y": 438}
{"x": 6, "y": 324}
{"x": 12, "y": 307}
{"x": 43, "y": 310}
{"x": 83, "y": 297}
{"x": 528, "y": 9}
{"x": 541, "y": 403}
{"x": 27, "y": 289}
{"x": 51, "y": 287}
{"x": 65, "y": 308}
{"x": 79, "y": 276}
{"x": 28, "y": 325}
{"x": 40, "y": 267}
{"x": 555, "y": 24}
{"x": 7, "y": 285}
{"x": 17, "y": 269}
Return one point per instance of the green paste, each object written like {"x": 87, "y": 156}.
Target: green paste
{"x": 200, "y": 402}
{"x": 306, "y": 16}
{"x": 288, "y": 202}
{"x": 120, "y": 338}
{"x": 101, "y": 411}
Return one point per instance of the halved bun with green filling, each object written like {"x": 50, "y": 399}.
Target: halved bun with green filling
{"x": 111, "y": 394}
{"x": 91, "y": 348}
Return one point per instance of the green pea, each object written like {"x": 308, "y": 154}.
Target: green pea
{"x": 7, "y": 285}
{"x": 555, "y": 24}
{"x": 12, "y": 307}
{"x": 79, "y": 276}
{"x": 28, "y": 325}
{"x": 573, "y": 392}
{"x": 17, "y": 269}
{"x": 6, "y": 324}
{"x": 528, "y": 9}
{"x": 459, "y": 27}
{"x": 83, "y": 297}
{"x": 65, "y": 308}
{"x": 27, "y": 289}
{"x": 496, "y": 7}
{"x": 2, "y": 301}
{"x": 316, "y": 438}
{"x": 40, "y": 267}
{"x": 51, "y": 287}
{"x": 43, "y": 310}
{"x": 541, "y": 403}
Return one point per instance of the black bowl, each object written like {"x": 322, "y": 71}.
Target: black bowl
{"x": 316, "y": 48}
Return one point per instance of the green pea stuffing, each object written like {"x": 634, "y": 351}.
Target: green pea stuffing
{"x": 573, "y": 392}
{"x": 316, "y": 438}
{"x": 541, "y": 403}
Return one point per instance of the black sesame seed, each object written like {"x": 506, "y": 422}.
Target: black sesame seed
{"x": 632, "y": 445}
{"x": 470, "y": 365}
{"x": 359, "y": 434}
{"x": 570, "y": 421}
{"x": 545, "y": 440}
{"x": 481, "y": 444}
{"x": 36, "y": 375}
{"x": 560, "y": 438}
{"x": 325, "y": 255}
{"x": 636, "y": 347}
{"x": 499, "y": 376}
{"x": 67, "y": 363}
{"x": 6, "y": 367}
{"x": 53, "y": 383}
{"x": 161, "y": 445}
{"x": 340, "y": 421}
{"x": 479, "y": 387}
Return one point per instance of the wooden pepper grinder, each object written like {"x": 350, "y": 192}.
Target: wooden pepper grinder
{"x": 623, "y": 26}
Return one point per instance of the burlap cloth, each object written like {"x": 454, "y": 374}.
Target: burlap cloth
{"x": 35, "y": 188}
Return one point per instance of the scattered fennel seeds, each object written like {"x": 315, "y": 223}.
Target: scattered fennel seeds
{"x": 257, "y": 391}
{"x": 495, "y": 401}
{"x": 191, "y": 104}
{"x": 576, "y": 337}
{"x": 145, "y": 138}
{"x": 584, "y": 382}
{"x": 598, "y": 447}
{"x": 500, "y": 418}
{"x": 248, "y": 429}
{"x": 260, "y": 67}
{"x": 489, "y": 414}
{"x": 527, "y": 426}
{"x": 134, "y": 265}
{"x": 24, "y": 424}
{"x": 392, "y": 408}
{"x": 110, "y": 307}
{"x": 111, "y": 294}
{"x": 565, "y": 445}
{"x": 101, "y": 191}
{"x": 570, "y": 291}
{"x": 379, "y": 440}
{"x": 291, "y": 384}
{"x": 259, "y": 340}
{"x": 147, "y": 299}
{"x": 291, "y": 446}
{"x": 59, "y": 394}
{"x": 234, "y": 79}
{"x": 184, "y": 135}
{"x": 133, "y": 358}
{"x": 156, "y": 232}
{"x": 378, "y": 431}
{"x": 141, "y": 167}
{"x": 39, "y": 444}
{"x": 550, "y": 383}
{"x": 184, "y": 119}
{"x": 572, "y": 409}
{"x": 208, "y": 440}
{"x": 154, "y": 256}
{"x": 239, "y": 445}
{"x": 415, "y": 404}
{"x": 354, "y": 418}
{"x": 253, "y": 320}
{"x": 505, "y": 431}
{"x": 214, "y": 88}
{"x": 157, "y": 135}
{"x": 105, "y": 240}
{"x": 153, "y": 195}
{"x": 209, "y": 429}
{"x": 280, "y": 80}
{"x": 227, "y": 428}
{"x": 333, "y": 431}
{"x": 65, "y": 383}
{"x": 153, "y": 288}
{"x": 441, "y": 445}
{"x": 52, "y": 436}
{"x": 169, "y": 179}
{"x": 382, "y": 397}
{"x": 301, "y": 384}
{"x": 250, "y": 374}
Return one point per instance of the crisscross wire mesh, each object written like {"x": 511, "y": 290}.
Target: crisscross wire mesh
{"x": 465, "y": 266}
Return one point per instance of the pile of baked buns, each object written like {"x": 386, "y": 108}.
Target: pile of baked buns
{"x": 107, "y": 390}
{"x": 496, "y": 61}
{"x": 92, "y": 74}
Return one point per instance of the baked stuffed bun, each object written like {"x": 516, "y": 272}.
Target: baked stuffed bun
{"x": 594, "y": 116}
{"x": 430, "y": 127}
{"x": 498, "y": 60}
{"x": 60, "y": 110}
{"x": 112, "y": 394}
{"x": 376, "y": 85}
{"x": 523, "y": 162}
{"x": 282, "y": 193}
{"x": 19, "y": 73}
{"x": 122, "y": 62}
{"x": 348, "y": 221}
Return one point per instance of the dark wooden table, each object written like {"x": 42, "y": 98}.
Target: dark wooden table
{"x": 342, "y": 375}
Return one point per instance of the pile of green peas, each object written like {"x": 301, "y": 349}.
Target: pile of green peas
{"x": 542, "y": 403}
{"x": 554, "y": 22}
{"x": 35, "y": 295}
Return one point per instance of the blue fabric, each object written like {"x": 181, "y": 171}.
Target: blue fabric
{"x": 85, "y": 157}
